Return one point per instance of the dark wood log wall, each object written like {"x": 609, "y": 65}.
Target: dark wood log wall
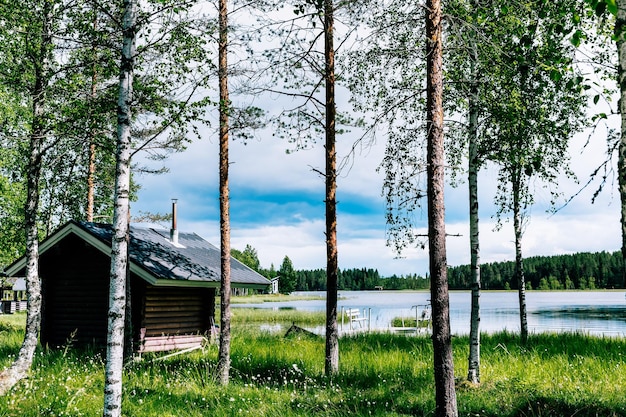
{"x": 75, "y": 288}
{"x": 175, "y": 318}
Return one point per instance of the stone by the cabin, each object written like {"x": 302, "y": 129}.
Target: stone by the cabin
{"x": 173, "y": 284}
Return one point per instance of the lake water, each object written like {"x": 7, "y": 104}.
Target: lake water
{"x": 592, "y": 312}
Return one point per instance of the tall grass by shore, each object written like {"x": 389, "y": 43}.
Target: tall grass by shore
{"x": 271, "y": 298}
{"x": 242, "y": 315}
{"x": 380, "y": 374}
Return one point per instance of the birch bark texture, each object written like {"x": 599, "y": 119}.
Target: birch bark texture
{"x": 474, "y": 162}
{"x": 519, "y": 260}
{"x": 20, "y": 367}
{"x": 473, "y": 372}
{"x": 223, "y": 368}
{"x": 620, "y": 36}
{"x": 445, "y": 395}
{"x": 119, "y": 250}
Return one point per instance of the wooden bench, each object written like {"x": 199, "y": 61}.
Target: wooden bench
{"x": 354, "y": 315}
{"x": 423, "y": 318}
{"x": 171, "y": 342}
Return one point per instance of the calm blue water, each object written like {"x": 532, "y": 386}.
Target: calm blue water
{"x": 593, "y": 312}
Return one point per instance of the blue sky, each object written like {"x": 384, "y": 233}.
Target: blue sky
{"x": 277, "y": 207}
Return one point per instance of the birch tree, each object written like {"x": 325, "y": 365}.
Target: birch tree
{"x": 119, "y": 251}
{"x": 531, "y": 130}
{"x": 30, "y": 28}
{"x": 467, "y": 77}
{"x": 611, "y": 14}
{"x": 620, "y": 42}
{"x": 159, "y": 120}
{"x": 36, "y": 71}
{"x": 473, "y": 367}
{"x": 617, "y": 8}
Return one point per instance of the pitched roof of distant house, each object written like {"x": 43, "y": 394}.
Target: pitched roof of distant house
{"x": 155, "y": 258}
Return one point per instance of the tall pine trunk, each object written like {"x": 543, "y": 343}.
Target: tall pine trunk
{"x": 91, "y": 169}
{"x": 119, "y": 251}
{"x": 22, "y": 364}
{"x": 91, "y": 174}
{"x": 332, "y": 263}
{"x": 473, "y": 373}
{"x": 445, "y": 395}
{"x": 519, "y": 266}
{"x": 224, "y": 349}
{"x": 620, "y": 27}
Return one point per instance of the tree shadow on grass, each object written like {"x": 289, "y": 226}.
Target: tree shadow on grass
{"x": 551, "y": 407}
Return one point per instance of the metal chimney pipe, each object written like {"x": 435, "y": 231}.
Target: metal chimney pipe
{"x": 174, "y": 229}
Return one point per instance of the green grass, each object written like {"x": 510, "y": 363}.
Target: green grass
{"x": 287, "y": 316}
{"x": 380, "y": 374}
{"x": 17, "y": 320}
{"x": 240, "y": 315}
{"x": 409, "y": 322}
{"x": 11, "y": 336}
{"x": 269, "y": 298}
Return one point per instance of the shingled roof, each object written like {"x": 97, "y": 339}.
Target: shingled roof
{"x": 192, "y": 261}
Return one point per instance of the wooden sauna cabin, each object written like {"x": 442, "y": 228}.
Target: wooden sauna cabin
{"x": 174, "y": 278}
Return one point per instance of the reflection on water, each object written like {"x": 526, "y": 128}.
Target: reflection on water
{"x": 593, "y": 312}
{"x": 585, "y": 313}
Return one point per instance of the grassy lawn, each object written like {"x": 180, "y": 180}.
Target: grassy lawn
{"x": 380, "y": 374}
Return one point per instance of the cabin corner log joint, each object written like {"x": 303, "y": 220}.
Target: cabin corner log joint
{"x": 172, "y": 285}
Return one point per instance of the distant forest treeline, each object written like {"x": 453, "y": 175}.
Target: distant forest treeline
{"x": 602, "y": 270}
{"x": 358, "y": 279}
{"x": 577, "y": 271}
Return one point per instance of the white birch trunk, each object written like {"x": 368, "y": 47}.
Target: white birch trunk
{"x": 519, "y": 266}
{"x": 473, "y": 369}
{"x": 119, "y": 250}
{"x": 20, "y": 367}
{"x": 223, "y": 368}
{"x": 620, "y": 27}
{"x": 473, "y": 373}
